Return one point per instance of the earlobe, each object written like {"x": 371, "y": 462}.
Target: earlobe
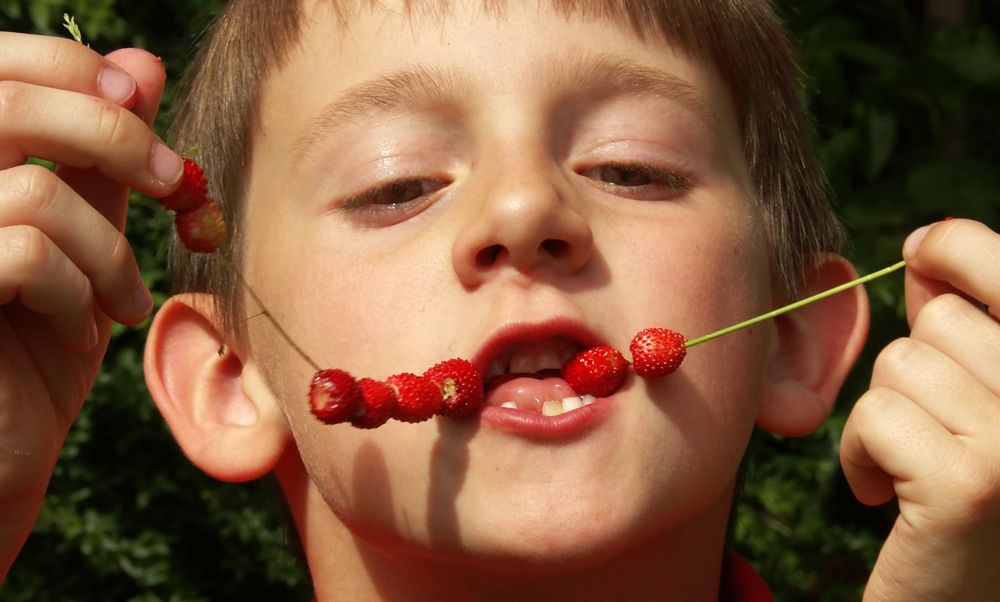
{"x": 817, "y": 346}
{"x": 213, "y": 400}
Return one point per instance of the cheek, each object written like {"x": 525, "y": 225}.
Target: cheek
{"x": 694, "y": 271}
{"x": 364, "y": 310}
{"x": 707, "y": 273}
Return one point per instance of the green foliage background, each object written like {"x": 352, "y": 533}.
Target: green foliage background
{"x": 907, "y": 127}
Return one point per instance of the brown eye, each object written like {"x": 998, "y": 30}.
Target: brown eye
{"x": 392, "y": 195}
{"x": 623, "y": 176}
{"x": 638, "y": 181}
{"x": 398, "y": 193}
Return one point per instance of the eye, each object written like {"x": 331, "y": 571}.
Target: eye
{"x": 393, "y": 195}
{"x": 638, "y": 181}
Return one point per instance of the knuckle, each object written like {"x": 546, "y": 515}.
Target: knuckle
{"x": 120, "y": 254}
{"x": 29, "y": 190}
{"x": 894, "y": 359}
{"x": 941, "y": 313}
{"x": 111, "y": 127}
{"x": 871, "y": 407}
{"x": 25, "y": 248}
{"x": 57, "y": 58}
{"x": 13, "y": 103}
{"x": 111, "y": 275}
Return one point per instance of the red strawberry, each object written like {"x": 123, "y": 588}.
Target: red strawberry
{"x": 461, "y": 387}
{"x": 334, "y": 396}
{"x": 201, "y": 230}
{"x": 417, "y": 398}
{"x": 378, "y": 401}
{"x": 597, "y": 371}
{"x": 657, "y": 352}
{"x": 192, "y": 192}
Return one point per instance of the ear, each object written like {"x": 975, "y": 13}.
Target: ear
{"x": 817, "y": 346}
{"x": 224, "y": 417}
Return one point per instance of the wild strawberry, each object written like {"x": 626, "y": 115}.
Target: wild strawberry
{"x": 597, "y": 371}
{"x": 378, "y": 402}
{"x": 461, "y": 387}
{"x": 334, "y": 396}
{"x": 657, "y": 352}
{"x": 192, "y": 192}
{"x": 203, "y": 229}
{"x": 417, "y": 398}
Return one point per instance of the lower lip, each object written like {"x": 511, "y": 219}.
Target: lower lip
{"x": 539, "y": 426}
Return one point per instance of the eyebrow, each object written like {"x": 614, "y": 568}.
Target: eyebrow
{"x": 413, "y": 87}
{"x": 607, "y": 75}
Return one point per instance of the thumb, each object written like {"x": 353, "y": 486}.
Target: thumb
{"x": 106, "y": 195}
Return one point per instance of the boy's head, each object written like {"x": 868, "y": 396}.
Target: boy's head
{"x": 743, "y": 40}
{"x": 506, "y": 183}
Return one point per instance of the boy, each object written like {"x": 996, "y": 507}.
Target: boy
{"x": 507, "y": 183}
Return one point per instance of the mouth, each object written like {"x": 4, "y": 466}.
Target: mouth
{"x": 523, "y": 371}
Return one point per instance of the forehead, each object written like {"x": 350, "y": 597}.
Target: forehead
{"x": 385, "y": 56}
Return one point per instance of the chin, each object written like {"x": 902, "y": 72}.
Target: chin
{"x": 556, "y": 534}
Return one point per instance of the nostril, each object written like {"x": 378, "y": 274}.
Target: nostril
{"x": 489, "y": 255}
{"x": 554, "y": 247}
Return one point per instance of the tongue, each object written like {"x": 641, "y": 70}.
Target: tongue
{"x": 529, "y": 393}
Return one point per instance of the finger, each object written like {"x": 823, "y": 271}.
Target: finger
{"x": 961, "y": 254}
{"x": 33, "y": 270}
{"x": 66, "y": 65}
{"x": 890, "y": 444}
{"x": 33, "y": 196}
{"x": 106, "y": 195}
{"x": 83, "y": 132}
{"x": 149, "y": 75}
{"x": 969, "y": 337}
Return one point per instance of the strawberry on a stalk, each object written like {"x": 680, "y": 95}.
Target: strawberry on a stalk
{"x": 378, "y": 402}
{"x": 202, "y": 229}
{"x": 417, "y": 397}
{"x": 597, "y": 371}
{"x": 334, "y": 396}
{"x": 461, "y": 387}
{"x": 657, "y": 352}
{"x": 192, "y": 192}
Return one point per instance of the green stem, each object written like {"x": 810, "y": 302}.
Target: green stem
{"x": 266, "y": 313}
{"x": 797, "y": 304}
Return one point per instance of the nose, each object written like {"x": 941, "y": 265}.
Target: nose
{"x": 525, "y": 222}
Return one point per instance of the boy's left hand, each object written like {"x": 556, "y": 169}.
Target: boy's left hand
{"x": 928, "y": 430}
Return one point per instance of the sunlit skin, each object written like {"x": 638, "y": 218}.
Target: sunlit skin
{"x": 501, "y": 147}
{"x": 508, "y": 189}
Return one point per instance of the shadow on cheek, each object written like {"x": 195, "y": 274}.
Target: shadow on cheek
{"x": 449, "y": 466}
{"x": 372, "y": 492}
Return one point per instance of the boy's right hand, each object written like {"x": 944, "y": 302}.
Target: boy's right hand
{"x": 66, "y": 270}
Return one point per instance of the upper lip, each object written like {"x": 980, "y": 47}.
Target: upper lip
{"x": 538, "y": 331}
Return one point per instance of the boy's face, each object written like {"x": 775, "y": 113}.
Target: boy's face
{"x": 508, "y": 188}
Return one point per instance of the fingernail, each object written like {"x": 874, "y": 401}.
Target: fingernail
{"x": 115, "y": 86}
{"x": 165, "y": 165}
{"x": 142, "y": 299}
{"x": 913, "y": 241}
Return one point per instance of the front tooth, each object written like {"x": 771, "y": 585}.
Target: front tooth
{"x": 522, "y": 364}
{"x": 547, "y": 360}
{"x": 509, "y": 404}
{"x": 494, "y": 369}
{"x": 572, "y": 403}
{"x": 588, "y": 399}
{"x": 528, "y": 363}
{"x": 552, "y": 408}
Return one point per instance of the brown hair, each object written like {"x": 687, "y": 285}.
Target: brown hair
{"x": 743, "y": 38}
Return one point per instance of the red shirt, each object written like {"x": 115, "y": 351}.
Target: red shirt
{"x": 740, "y": 582}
